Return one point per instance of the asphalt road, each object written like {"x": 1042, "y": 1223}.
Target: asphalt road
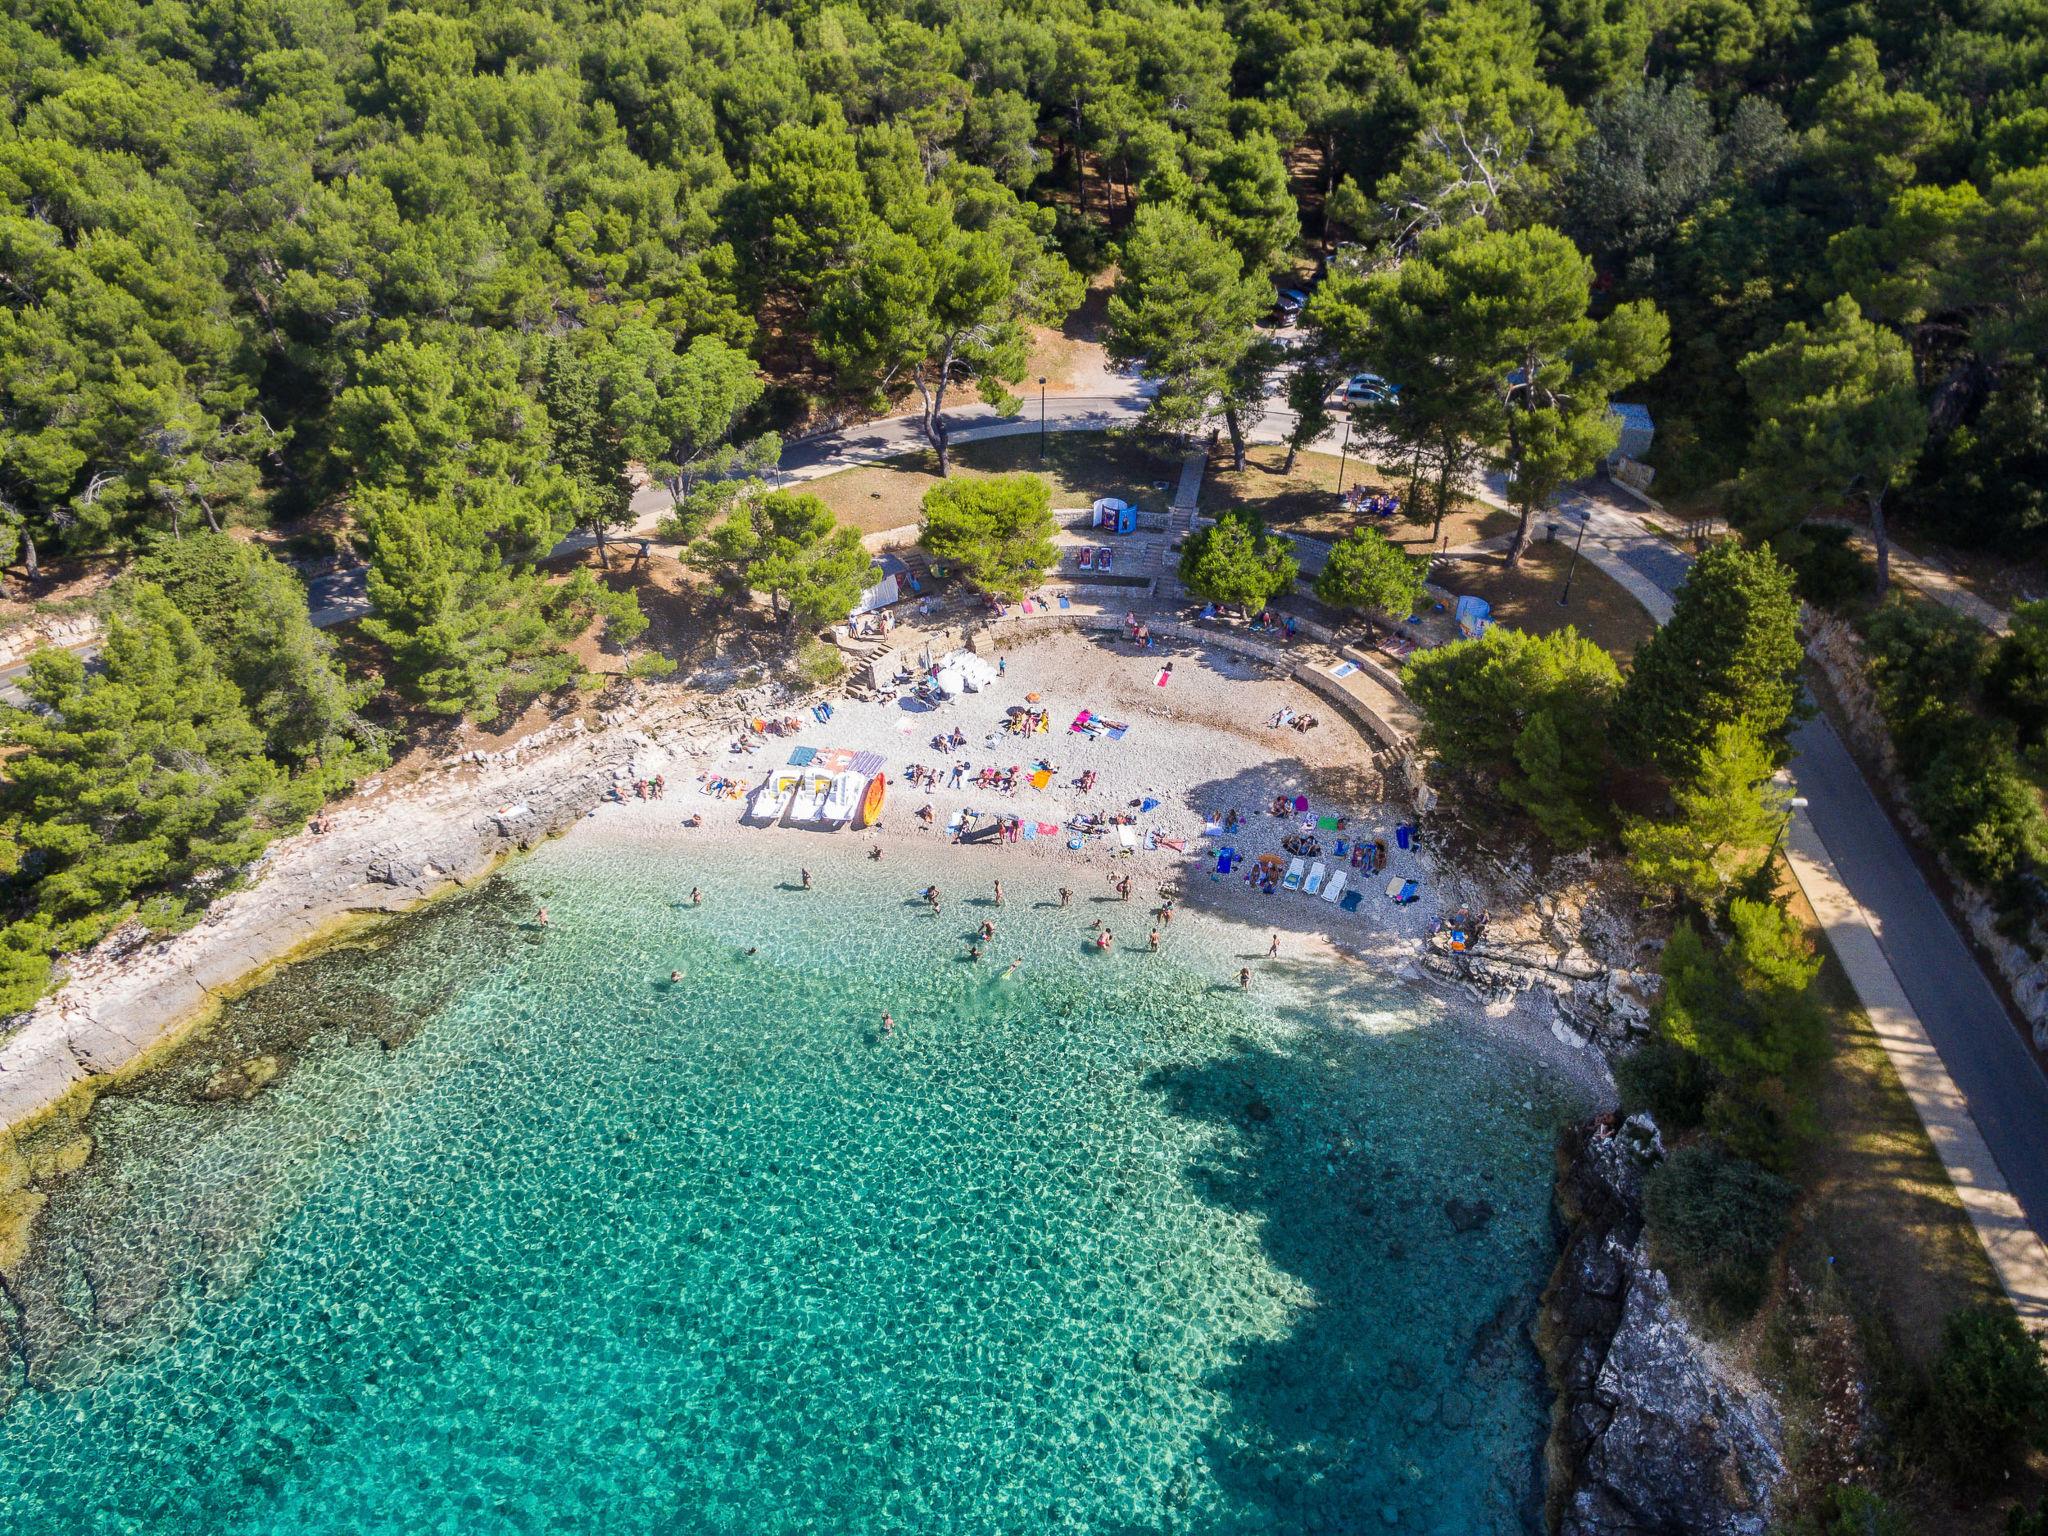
{"x": 1965, "y": 1018}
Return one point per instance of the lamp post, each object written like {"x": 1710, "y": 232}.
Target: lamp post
{"x": 1796, "y": 803}
{"x": 1041, "y": 418}
{"x": 1342, "y": 454}
{"x": 1565, "y": 598}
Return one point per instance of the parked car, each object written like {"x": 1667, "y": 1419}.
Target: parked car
{"x": 1289, "y": 303}
{"x": 1369, "y": 389}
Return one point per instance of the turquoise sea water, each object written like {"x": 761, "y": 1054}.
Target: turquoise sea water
{"x": 1108, "y": 1247}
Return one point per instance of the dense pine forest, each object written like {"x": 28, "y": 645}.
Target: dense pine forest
{"x": 437, "y": 277}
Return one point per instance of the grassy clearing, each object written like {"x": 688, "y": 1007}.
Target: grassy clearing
{"x": 1080, "y": 465}
{"x": 1526, "y": 597}
{"x": 1305, "y": 501}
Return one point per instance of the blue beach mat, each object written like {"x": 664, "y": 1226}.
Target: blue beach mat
{"x": 1351, "y": 901}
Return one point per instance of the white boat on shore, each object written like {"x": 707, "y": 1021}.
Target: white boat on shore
{"x": 773, "y": 795}
{"x": 808, "y": 803}
{"x": 848, "y": 789}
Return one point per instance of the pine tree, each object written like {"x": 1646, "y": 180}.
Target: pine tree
{"x": 1730, "y": 654}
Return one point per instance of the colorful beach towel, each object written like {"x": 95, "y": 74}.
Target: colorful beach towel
{"x": 1351, "y": 900}
{"x": 1081, "y": 721}
{"x": 1064, "y": 603}
{"x": 800, "y": 757}
{"x": 1048, "y": 828}
{"x": 1116, "y": 732}
{"x": 1030, "y": 831}
{"x": 1327, "y": 824}
{"x": 1041, "y": 778}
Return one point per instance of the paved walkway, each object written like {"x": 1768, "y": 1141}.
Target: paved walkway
{"x": 1970, "y": 1077}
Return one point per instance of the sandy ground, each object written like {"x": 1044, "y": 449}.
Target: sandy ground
{"x": 1200, "y": 746}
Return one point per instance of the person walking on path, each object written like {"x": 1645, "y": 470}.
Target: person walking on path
{"x": 1273, "y": 949}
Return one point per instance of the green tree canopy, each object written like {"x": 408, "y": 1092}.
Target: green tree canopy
{"x": 1367, "y": 571}
{"x": 787, "y": 545}
{"x": 1235, "y": 560}
{"x": 1724, "y": 820}
{"x": 997, "y": 532}
{"x": 1729, "y": 655}
{"x": 1838, "y": 415}
{"x": 1527, "y": 712}
{"x": 1185, "y": 312}
{"x": 145, "y": 778}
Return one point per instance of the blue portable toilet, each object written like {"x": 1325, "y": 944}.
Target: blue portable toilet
{"x": 1115, "y": 515}
{"x": 1474, "y": 614}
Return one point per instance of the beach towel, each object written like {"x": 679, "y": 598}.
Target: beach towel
{"x": 800, "y": 757}
{"x": 1301, "y": 805}
{"x": 1313, "y": 886}
{"x": 1151, "y": 841}
{"x": 1226, "y": 861}
{"x": 1327, "y": 824}
{"x": 1293, "y": 880}
{"x": 1212, "y": 829}
{"x": 1148, "y": 804}
{"x": 1048, "y": 828}
{"x": 867, "y": 764}
{"x": 1402, "y": 834}
{"x": 1081, "y": 721}
{"x": 1178, "y": 845}
{"x": 1041, "y": 778}
{"x": 1030, "y": 831}
{"x": 1064, "y": 603}
{"x": 1128, "y": 836}
{"x": 1164, "y": 674}
{"x": 1336, "y": 886}
{"x": 1027, "y": 606}
{"x": 1403, "y": 891}
{"x": 955, "y": 821}
{"x": 1116, "y": 732}
{"x": 1344, "y": 669}
{"x": 1351, "y": 900}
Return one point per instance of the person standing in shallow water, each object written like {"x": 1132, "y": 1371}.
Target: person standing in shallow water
{"x": 999, "y": 893}
{"x": 805, "y": 876}
{"x": 1244, "y": 978}
{"x": 1066, "y": 897}
{"x": 540, "y": 918}
{"x": 888, "y": 1024}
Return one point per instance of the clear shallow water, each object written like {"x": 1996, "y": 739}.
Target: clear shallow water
{"x": 1108, "y": 1248}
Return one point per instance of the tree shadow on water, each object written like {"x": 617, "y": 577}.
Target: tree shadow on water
{"x": 1394, "y": 1397}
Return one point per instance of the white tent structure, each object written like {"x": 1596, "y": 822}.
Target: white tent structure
{"x": 961, "y": 672}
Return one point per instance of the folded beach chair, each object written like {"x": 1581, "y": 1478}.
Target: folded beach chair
{"x": 1293, "y": 880}
{"x": 1336, "y": 886}
{"x": 1313, "y": 886}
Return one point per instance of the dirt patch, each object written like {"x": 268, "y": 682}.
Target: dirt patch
{"x": 1305, "y": 500}
{"x": 1526, "y": 598}
{"x": 1081, "y": 466}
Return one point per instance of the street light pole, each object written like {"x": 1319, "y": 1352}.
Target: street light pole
{"x": 1564, "y": 600}
{"x": 1342, "y": 454}
{"x": 1796, "y": 803}
{"x": 1041, "y": 419}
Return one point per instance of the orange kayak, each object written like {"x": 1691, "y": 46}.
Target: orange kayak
{"x": 871, "y": 802}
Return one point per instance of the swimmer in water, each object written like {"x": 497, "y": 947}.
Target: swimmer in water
{"x": 754, "y": 949}
{"x": 974, "y": 951}
{"x": 1104, "y": 939}
{"x": 1015, "y": 966}
{"x": 988, "y": 929}
{"x": 888, "y": 1025}
{"x": 675, "y": 976}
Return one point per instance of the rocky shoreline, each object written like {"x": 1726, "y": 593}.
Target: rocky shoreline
{"x": 1651, "y": 1432}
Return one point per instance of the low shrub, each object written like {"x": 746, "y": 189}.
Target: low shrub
{"x": 1828, "y": 570}
{"x": 1988, "y": 1393}
{"x": 1716, "y": 1222}
{"x": 1668, "y": 1080}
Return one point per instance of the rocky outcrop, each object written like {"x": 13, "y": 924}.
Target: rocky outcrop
{"x": 1608, "y": 1006}
{"x": 1651, "y": 1434}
